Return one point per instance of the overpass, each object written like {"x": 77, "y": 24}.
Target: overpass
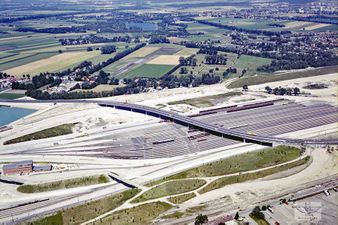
{"x": 189, "y": 122}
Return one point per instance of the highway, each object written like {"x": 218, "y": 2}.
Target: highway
{"x": 190, "y": 122}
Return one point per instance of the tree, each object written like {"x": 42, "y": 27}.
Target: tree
{"x": 245, "y": 87}
{"x": 256, "y": 212}
{"x": 89, "y": 49}
{"x": 236, "y": 216}
{"x": 201, "y": 219}
{"x": 60, "y": 51}
{"x": 296, "y": 91}
{"x": 268, "y": 89}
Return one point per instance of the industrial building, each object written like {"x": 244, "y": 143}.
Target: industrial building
{"x": 22, "y": 167}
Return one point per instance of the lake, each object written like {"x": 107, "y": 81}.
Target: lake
{"x": 10, "y": 114}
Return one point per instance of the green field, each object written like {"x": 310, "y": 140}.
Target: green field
{"x": 223, "y": 181}
{"x": 261, "y": 79}
{"x": 10, "y": 96}
{"x": 249, "y": 63}
{"x": 149, "y": 70}
{"x": 207, "y": 101}
{"x": 238, "y": 163}
{"x": 138, "y": 215}
{"x": 49, "y": 220}
{"x": 182, "y": 198}
{"x": 63, "y": 184}
{"x": 170, "y": 188}
{"x": 82, "y": 213}
{"x": 46, "y": 133}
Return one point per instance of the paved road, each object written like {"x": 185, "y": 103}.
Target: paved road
{"x": 187, "y": 121}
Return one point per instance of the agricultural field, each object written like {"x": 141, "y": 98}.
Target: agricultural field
{"x": 264, "y": 24}
{"x": 151, "y": 61}
{"x": 209, "y": 32}
{"x": 34, "y": 53}
{"x": 53, "y": 64}
{"x": 149, "y": 70}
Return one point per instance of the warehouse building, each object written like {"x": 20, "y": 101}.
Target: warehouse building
{"x": 22, "y": 167}
{"x": 42, "y": 168}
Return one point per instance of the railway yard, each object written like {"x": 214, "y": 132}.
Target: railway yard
{"x": 132, "y": 149}
{"x": 114, "y": 142}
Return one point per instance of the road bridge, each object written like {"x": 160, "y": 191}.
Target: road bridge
{"x": 189, "y": 122}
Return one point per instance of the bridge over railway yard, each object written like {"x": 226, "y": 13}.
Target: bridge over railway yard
{"x": 191, "y": 122}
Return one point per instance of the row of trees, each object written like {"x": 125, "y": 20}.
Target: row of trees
{"x": 282, "y": 91}
{"x": 189, "y": 61}
{"x": 93, "y": 39}
{"x": 216, "y": 59}
{"x": 54, "y": 30}
{"x": 132, "y": 86}
{"x": 4, "y": 75}
{"x": 37, "y": 81}
{"x": 108, "y": 49}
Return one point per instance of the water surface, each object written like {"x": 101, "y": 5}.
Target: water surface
{"x": 11, "y": 114}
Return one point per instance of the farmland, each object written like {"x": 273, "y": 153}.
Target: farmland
{"x": 53, "y": 64}
{"x": 264, "y": 24}
{"x": 149, "y": 70}
{"x": 35, "y": 53}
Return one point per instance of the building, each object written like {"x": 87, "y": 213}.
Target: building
{"x": 42, "y": 168}
{"x": 22, "y": 167}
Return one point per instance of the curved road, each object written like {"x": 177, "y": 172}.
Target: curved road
{"x": 190, "y": 122}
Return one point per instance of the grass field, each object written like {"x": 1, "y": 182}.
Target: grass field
{"x": 149, "y": 70}
{"x": 85, "y": 212}
{"x": 63, "y": 184}
{"x": 261, "y": 79}
{"x": 175, "y": 215}
{"x": 249, "y": 63}
{"x": 49, "y": 220}
{"x": 46, "y": 133}
{"x": 170, "y": 188}
{"x": 182, "y": 198}
{"x": 138, "y": 215}
{"x": 207, "y": 101}
{"x": 238, "y": 163}
{"x": 82, "y": 213}
{"x": 221, "y": 182}
{"x": 10, "y": 95}
{"x": 259, "y": 221}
